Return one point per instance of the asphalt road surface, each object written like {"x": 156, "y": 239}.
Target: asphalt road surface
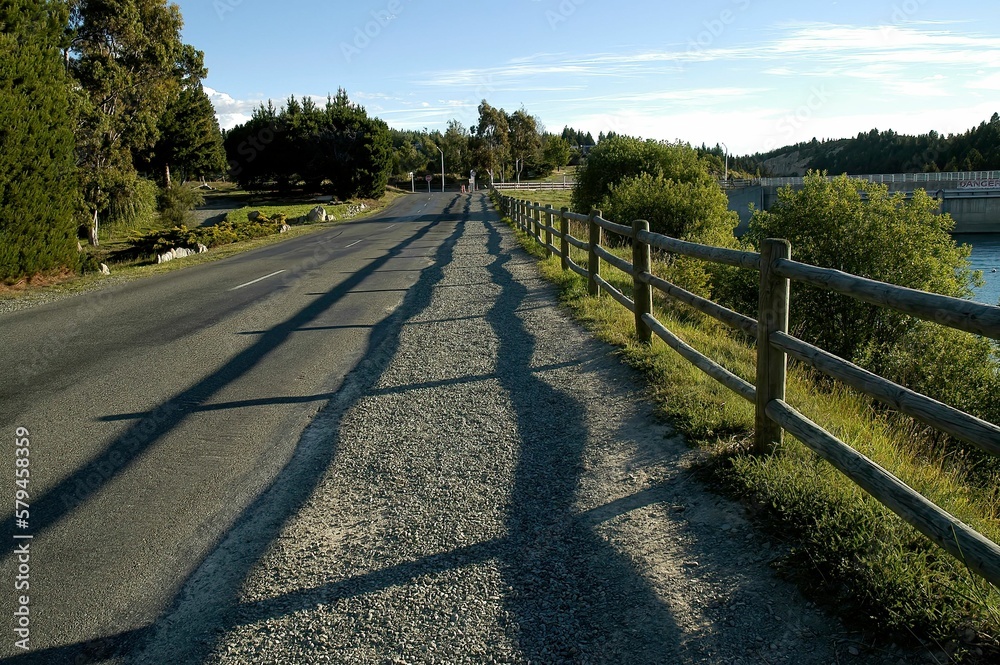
{"x": 159, "y": 410}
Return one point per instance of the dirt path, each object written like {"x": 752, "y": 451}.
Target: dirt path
{"x": 215, "y": 208}
{"x": 501, "y": 492}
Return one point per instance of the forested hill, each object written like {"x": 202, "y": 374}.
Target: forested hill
{"x": 884, "y": 152}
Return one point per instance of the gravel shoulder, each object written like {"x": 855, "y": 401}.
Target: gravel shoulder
{"x": 491, "y": 485}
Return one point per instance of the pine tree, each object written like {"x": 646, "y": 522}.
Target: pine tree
{"x": 38, "y": 189}
{"x": 190, "y": 143}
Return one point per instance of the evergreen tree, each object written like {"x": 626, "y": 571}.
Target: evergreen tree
{"x": 38, "y": 191}
{"x": 303, "y": 144}
{"x": 190, "y": 143}
{"x": 128, "y": 59}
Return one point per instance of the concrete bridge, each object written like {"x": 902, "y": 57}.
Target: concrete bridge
{"x": 971, "y": 198}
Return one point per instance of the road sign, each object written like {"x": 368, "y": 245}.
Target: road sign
{"x": 428, "y": 178}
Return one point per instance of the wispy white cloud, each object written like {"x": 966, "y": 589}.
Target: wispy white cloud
{"x": 898, "y": 76}
{"x": 230, "y": 111}
{"x": 991, "y": 82}
{"x": 878, "y": 52}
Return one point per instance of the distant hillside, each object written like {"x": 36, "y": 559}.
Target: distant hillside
{"x": 883, "y": 152}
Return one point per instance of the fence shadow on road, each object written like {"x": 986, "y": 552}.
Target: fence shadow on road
{"x": 550, "y": 555}
{"x": 289, "y": 490}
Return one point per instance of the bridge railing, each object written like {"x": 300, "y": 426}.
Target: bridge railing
{"x": 774, "y": 344}
{"x": 938, "y": 179}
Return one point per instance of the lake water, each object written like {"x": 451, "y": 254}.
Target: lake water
{"x": 985, "y": 257}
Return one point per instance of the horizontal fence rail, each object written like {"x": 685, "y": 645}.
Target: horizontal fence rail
{"x": 774, "y": 345}
{"x": 534, "y": 186}
{"x": 949, "y": 177}
{"x": 952, "y": 312}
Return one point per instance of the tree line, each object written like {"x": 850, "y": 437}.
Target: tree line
{"x": 977, "y": 149}
{"x": 93, "y": 94}
{"x": 339, "y": 147}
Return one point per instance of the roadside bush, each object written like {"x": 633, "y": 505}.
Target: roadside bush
{"x": 858, "y": 227}
{"x": 163, "y": 240}
{"x": 131, "y": 205}
{"x": 39, "y": 192}
{"x": 223, "y": 233}
{"x": 696, "y": 211}
{"x": 619, "y": 158}
{"x": 177, "y": 202}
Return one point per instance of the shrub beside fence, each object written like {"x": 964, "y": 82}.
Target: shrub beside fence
{"x": 774, "y": 345}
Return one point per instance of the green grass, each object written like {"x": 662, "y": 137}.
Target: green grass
{"x": 556, "y": 198}
{"x": 568, "y": 173}
{"x": 132, "y": 270}
{"x": 293, "y": 212}
{"x": 847, "y": 551}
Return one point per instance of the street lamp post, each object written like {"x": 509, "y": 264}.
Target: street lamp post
{"x": 726, "y": 177}
{"x": 442, "y": 167}
{"x": 413, "y": 184}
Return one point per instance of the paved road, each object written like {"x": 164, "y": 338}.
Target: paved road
{"x": 159, "y": 410}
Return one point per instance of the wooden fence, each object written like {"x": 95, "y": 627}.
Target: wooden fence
{"x": 534, "y": 186}
{"x": 774, "y": 345}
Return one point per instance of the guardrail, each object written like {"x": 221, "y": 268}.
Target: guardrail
{"x": 942, "y": 178}
{"x": 774, "y": 345}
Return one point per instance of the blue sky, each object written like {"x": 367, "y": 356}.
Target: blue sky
{"x": 752, "y": 74}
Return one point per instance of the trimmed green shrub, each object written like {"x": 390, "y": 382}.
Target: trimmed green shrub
{"x": 617, "y": 159}
{"x": 223, "y": 233}
{"x": 39, "y": 197}
{"x": 694, "y": 209}
{"x": 177, "y": 202}
{"x": 858, "y": 227}
{"x": 131, "y": 206}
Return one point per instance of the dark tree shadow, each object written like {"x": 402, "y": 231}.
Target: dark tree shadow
{"x": 573, "y": 597}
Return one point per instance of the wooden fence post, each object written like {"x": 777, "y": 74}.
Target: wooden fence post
{"x": 548, "y": 234}
{"x": 642, "y": 293}
{"x": 771, "y": 363}
{"x": 594, "y": 262}
{"x": 536, "y": 224}
{"x": 520, "y": 214}
{"x": 564, "y": 245}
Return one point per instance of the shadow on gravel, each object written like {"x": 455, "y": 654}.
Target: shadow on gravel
{"x": 208, "y": 598}
{"x": 574, "y": 597}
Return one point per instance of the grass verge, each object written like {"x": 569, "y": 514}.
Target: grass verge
{"x": 296, "y": 213}
{"x": 70, "y": 284}
{"x": 847, "y": 551}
